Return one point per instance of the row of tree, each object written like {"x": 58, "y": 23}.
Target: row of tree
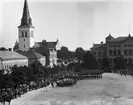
{"x": 65, "y": 53}
{"x": 90, "y": 62}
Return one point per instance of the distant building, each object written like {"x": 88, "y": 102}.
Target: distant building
{"x": 50, "y": 47}
{"x": 34, "y": 56}
{"x": 26, "y": 39}
{"x": 114, "y": 47}
{"x": 10, "y": 58}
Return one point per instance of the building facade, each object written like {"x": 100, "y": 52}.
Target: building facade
{"x": 10, "y": 58}
{"x": 26, "y": 30}
{"x": 26, "y": 39}
{"x": 34, "y": 56}
{"x": 114, "y": 47}
{"x": 49, "y": 49}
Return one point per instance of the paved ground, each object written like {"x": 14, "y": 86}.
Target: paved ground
{"x": 111, "y": 90}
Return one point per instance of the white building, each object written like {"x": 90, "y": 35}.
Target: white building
{"x": 10, "y": 58}
{"x": 26, "y": 39}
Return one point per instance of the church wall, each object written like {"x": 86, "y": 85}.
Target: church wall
{"x": 26, "y": 39}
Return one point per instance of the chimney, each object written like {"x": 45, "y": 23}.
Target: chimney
{"x": 9, "y": 49}
{"x": 101, "y": 42}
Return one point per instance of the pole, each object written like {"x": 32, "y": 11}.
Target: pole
{"x": 46, "y": 86}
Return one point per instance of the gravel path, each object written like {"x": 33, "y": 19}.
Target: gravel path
{"x": 112, "y": 89}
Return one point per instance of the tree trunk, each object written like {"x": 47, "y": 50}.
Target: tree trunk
{"x": 4, "y": 103}
{"x": 9, "y": 102}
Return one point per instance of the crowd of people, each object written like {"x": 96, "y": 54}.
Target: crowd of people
{"x": 124, "y": 72}
{"x": 60, "y": 76}
{"x": 69, "y": 78}
{"x": 10, "y": 93}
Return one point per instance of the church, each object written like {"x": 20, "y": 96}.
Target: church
{"x": 26, "y": 42}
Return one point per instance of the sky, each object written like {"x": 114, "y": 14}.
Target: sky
{"x": 76, "y": 23}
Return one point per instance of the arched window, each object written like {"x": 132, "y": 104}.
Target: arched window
{"x": 94, "y": 52}
{"x": 114, "y": 52}
{"x": 119, "y": 52}
{"x": 99, "y": 53}
{"x": 125, "y": 52}
{"x": 125, "y": 61}
{"x": 129, "y": 60}
{"x": 110, "y": 52}
{"x": 111, "y": 60}
{"x": 22, "y": 34}
{"x": 130, "y": 52}
{"x": 25, "y": 34}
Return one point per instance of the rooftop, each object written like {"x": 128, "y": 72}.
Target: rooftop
{"x": 32, "y": 54}
{"x": 11, "y": 55}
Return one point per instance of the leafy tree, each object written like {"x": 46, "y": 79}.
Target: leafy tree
{"x": 119, "y": 63}
{"x": 90, "y": 61}
{"x": 18, "y": 76}
{"x": 64, "y": 52}
{"x": 79, "y": 53}
{"x": 3, "y": 49}
{"x": 37, "y": 69}
{"x": 105, "y": 64}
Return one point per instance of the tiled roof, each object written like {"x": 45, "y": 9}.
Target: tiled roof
{"x": 51, "y": 44}
{"x": 32, "y": 54}
{"x": 95, "y": 45}
{"x": 39, "y": 44}
{"x": 11, "y": 55}
{"x": 119, "y": 39}
{"x": 99, "y": 46}
{"x": 42, "y": 50}
{"x": 47, "y": 45}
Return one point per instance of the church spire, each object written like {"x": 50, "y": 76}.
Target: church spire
{"x": 26, "y": 19}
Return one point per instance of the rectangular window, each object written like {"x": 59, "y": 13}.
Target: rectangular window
{"x": 119, "y": 52}
{"x": 24, "y": 46}
{"x": 24, "y": 40}
{"x": 25, "y": 34}
{"x": 99, "y": 53}
{"x": 22, "y": 34}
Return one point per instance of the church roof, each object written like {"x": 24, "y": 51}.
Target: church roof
{"x": 6, "y": 55}
{"x": 32, "y": 54}
{"x": 26, "y": 20}
{"x": 46, "y": 44}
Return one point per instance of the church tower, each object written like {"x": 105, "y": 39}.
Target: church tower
{"x": 26, "y": 30}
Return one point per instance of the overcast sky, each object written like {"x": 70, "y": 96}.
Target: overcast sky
{"x": 76, "y": 23}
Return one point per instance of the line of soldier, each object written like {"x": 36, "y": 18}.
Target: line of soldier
{"x": 124, "y": 72}
{"x": 66, "y": 79}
